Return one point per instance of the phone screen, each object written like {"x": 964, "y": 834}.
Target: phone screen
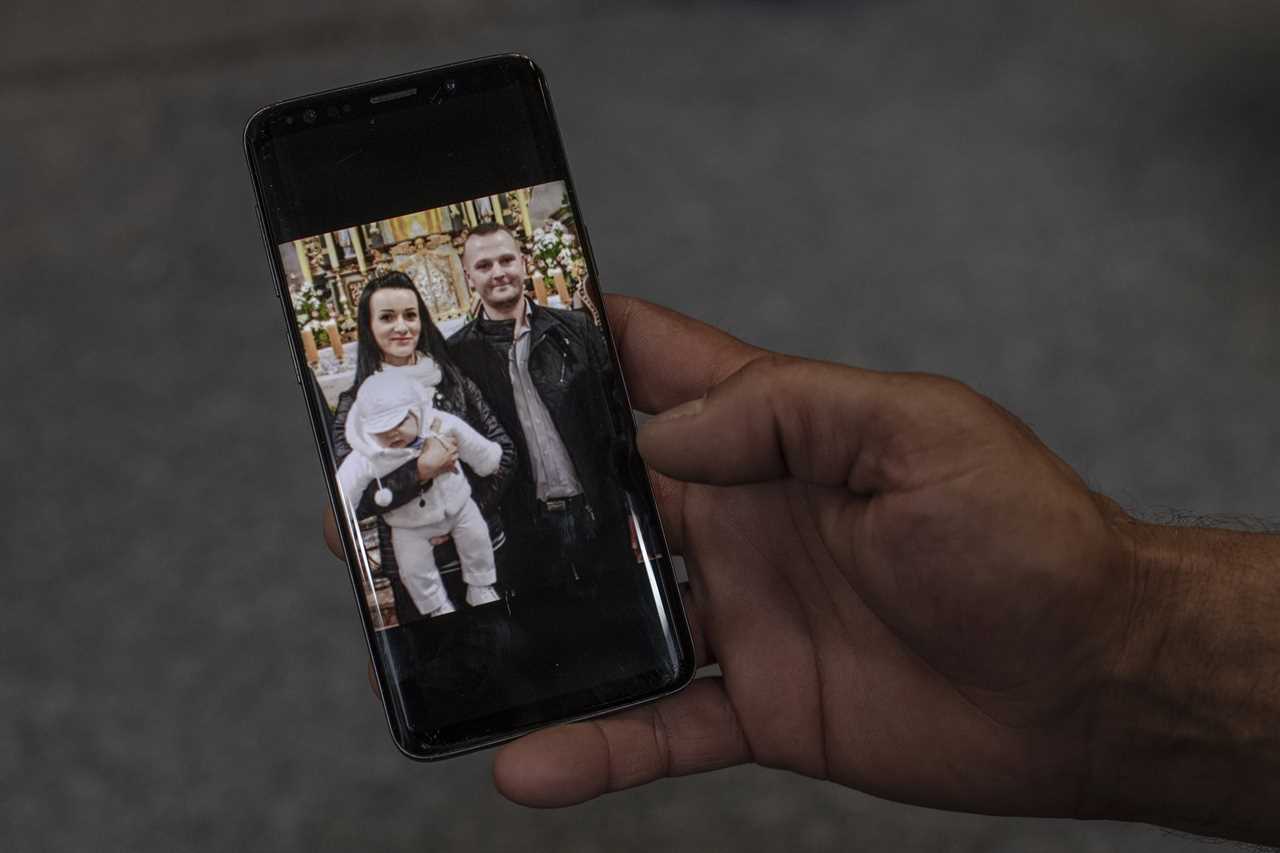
{"x": 450, "y": 339}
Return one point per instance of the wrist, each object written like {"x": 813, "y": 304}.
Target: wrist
{"x": 1187, "y": 723}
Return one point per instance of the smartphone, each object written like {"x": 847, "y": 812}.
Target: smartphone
{"x": 445, "y": 322}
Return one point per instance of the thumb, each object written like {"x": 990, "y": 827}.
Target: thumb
{"x": 819, "y": 422}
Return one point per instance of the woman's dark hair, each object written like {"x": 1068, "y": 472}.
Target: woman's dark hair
{"x": 430, "y": 341}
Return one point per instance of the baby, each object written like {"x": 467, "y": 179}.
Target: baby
{"x": 388, "y": 425}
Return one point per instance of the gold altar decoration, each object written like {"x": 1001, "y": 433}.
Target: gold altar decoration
{"x": 426, "y": 246}
{"x": 333, "y": 251}
{"x": 358, "y": 243}
{"x": 437, "y": 273}
{"x": 523, "y": 197}
{"x": 304, "y": 264}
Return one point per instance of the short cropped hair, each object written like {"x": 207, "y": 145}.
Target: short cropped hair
{"x": 486, "y": 228}
{"x": 490, "y": 228}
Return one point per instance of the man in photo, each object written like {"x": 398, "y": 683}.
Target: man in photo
{"x": 548, "y": 377}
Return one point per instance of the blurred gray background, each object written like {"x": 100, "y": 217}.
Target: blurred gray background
{"x": 1071, "y": 206}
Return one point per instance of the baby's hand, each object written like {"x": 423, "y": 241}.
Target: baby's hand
{"x": 438, "y": 455}
{"x": 449, "y": 435}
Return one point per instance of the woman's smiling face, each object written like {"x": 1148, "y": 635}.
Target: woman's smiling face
{"x": 396, "y": 323}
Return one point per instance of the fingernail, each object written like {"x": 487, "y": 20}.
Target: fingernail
{"x": 684, "y": 410}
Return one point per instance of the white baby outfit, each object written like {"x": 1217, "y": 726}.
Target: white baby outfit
{"x": 384, "y": 400}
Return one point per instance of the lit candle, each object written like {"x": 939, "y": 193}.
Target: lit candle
{"x": 561, "y": 288}
{"x": 309, "y": 347}
{"x": 335, "y": 339}
{"x": 539, "y": 289}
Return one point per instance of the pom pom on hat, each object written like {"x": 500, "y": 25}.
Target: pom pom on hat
{"x": 382, "y": 497}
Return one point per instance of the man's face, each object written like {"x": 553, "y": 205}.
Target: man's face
{"x": 495, "y": 268}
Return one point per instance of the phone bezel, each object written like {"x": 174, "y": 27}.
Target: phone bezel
{"x": 470, "y": 73}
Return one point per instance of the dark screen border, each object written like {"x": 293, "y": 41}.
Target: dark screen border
{"x": 512, "y": 141}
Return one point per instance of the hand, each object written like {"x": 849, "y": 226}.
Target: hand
{"x": 438, "y": 455}
{"x": 905, "y": 590}
{"x": 439, "y": 540}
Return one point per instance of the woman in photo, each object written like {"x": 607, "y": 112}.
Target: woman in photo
{"x": 397, "y": 336}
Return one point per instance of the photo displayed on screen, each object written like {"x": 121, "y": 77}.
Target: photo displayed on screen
{"x": 474, "y": 414}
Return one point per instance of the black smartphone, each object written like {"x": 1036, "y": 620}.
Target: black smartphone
{"x": 445, "y": 321}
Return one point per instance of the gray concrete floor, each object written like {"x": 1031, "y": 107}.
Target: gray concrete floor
{"x": 1071, "y": 206}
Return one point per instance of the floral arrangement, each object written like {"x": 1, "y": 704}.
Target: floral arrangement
{"x": 311, "y": 307}
{"x": 555, "y": 246}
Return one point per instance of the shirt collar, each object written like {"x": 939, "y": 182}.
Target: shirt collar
{"x": 505, "y": 328}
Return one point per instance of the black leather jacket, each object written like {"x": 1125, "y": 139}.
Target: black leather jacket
{"x": 458, "y": 396}
{"x": 571, "y": 369}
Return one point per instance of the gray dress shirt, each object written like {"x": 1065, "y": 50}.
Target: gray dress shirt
{"x": 553, "y": 471}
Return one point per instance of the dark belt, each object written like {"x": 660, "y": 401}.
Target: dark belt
{"x": 562, "y": 504}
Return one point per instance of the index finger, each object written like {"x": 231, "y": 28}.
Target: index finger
{"x": 670, "y": 358}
